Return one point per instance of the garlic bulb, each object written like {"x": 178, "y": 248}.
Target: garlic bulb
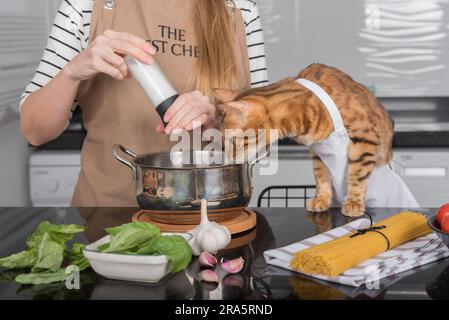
{"x": 208, "y": 236}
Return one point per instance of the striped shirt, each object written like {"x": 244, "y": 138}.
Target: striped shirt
{"x": 70, "y": 35}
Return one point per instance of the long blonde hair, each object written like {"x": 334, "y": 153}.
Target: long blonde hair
{"x": 216, "y": 67}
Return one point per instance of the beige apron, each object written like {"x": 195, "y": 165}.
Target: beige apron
{"x": 119, "y": 112}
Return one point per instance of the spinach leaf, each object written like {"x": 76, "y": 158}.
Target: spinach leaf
{"x": 177, "y": 250}
{"x": 21, "y": 260}
{"x": 76, "y": 256}
{"x": 61, "y": 233}
{"x": 35, "y": 238}
{"x": 42, "y": 277}
{"x": 129, "y": 239}
{"x": 50, "y": 254}
{"x": 146, "y": 248}
{"x": 134, "y": 225}
{"x": 58, "y": 290}
{"x": 104, "y": 246}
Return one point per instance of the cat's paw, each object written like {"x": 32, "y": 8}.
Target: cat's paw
{"x": 353, "y": 208}
{"x": 318, "y": 204}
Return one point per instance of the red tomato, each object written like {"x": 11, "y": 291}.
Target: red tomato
{"x": 445, "y": 225}
{"x": 443, "y": 212}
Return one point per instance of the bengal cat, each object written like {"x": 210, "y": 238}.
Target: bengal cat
{"x": 297, "y": 113}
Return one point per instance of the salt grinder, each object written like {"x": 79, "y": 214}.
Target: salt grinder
{"x": 154, "y": 83}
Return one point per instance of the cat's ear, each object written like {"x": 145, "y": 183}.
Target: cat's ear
{"x": 224, "y": 108}
{"x": 234, "y": 114}
{"x": 230, "y": 110}
{"x": 226, "y": 95}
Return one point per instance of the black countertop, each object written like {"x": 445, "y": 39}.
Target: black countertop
{"x": 276, "y": 227}
{"x": 411, "y": 139}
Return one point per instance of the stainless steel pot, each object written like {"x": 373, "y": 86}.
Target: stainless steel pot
{"x": 165, "y": 184}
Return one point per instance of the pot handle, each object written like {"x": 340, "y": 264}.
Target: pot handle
{"x": 116, "y": 149}
{"x": 258, "y": 159}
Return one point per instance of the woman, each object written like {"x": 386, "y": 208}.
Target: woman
{"x": 199, "y": 44}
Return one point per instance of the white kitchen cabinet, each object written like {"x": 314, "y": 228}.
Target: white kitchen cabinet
{"x": 294, "y": 167}
{"x": 426, "y": 172}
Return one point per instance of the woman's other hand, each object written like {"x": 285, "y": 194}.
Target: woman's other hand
{"x": 190, "y": 110}
{"x": 105, "y": 55}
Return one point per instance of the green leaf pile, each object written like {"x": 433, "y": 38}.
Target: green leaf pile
{"x": 142, "y": 238}
{"x": 47, "y": 250}
{"x": 45, "y": 254}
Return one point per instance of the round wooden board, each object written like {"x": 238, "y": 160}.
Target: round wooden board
{"x": 245, "y": 221}
{"x": 192, "y": 217}
{"x": 240, "y": 240}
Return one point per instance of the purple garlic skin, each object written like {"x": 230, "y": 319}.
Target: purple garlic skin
{"x": 209, "y": 276}
{"x": 233, "y": 266}
{"x": 234, "y": 280}
{"x": 207, "y": 260}
{"x": 209, "y": 286}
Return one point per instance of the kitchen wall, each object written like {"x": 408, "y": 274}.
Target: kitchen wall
{"x": 297, "y": 32}
{"x": 396, "y": 48}
{"x": 18, "y": 61}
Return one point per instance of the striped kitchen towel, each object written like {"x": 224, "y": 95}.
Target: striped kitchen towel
{"x": 408, "y": 256}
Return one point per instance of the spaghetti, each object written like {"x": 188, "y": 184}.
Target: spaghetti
{"x": 336, "y": 256}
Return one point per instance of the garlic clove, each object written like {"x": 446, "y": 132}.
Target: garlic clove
{"x": 209, "y": 276}
{"x": 233, "y": 266}
{"x": 207, "y": 260}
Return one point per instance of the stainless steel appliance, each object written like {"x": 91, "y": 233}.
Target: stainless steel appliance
{"x": 177, "y": 181}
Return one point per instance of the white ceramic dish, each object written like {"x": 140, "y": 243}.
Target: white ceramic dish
{"x": 138, "y": 268}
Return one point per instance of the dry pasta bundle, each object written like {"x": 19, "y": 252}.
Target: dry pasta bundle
{"x": 336, "y": 256}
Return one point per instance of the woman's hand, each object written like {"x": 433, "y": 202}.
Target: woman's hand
{"x": 105, "y": 55}
{"x": 190, "y": 110}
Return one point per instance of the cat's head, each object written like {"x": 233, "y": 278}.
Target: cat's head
{"x": 246, "y": 111}
{"x": 257, "y": 108}
{"x": 241, "y": 110}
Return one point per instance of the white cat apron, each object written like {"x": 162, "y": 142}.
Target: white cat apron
{"x": 385, "y": 188}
